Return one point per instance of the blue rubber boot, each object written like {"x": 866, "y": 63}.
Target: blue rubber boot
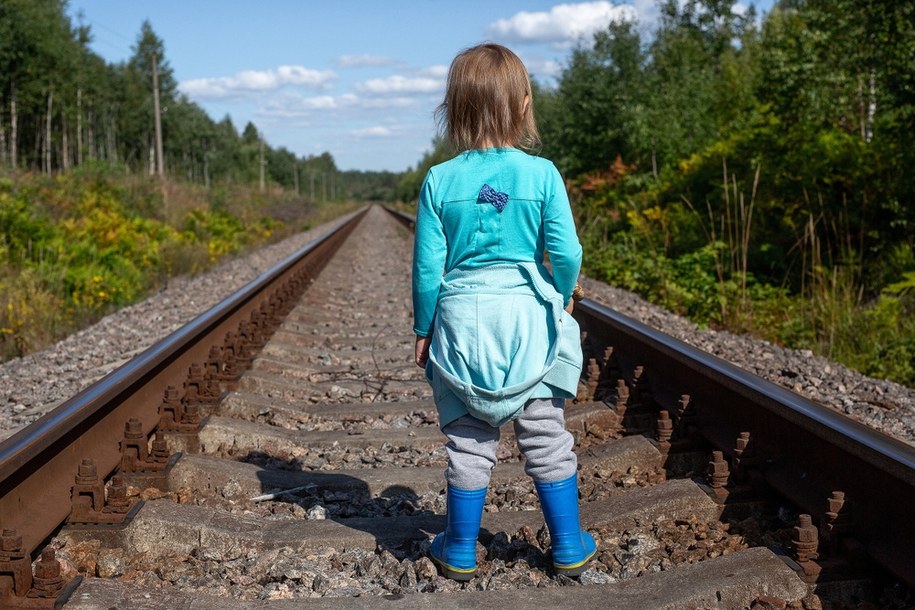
{"x": 455, "y": 549}
{"x": 572, "y": 547}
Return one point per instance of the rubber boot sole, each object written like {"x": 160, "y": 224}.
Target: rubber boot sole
{"x": 452, "y": 572}
{"x": 576, "y": 570}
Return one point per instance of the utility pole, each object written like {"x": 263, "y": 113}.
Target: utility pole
{"x": 206, "y": 166}
{"x": 312, "y": 187}
{"x": 160, "y": 162}
{"x": 295, "y": 173}
{"x": 79, "y": 125}
{"x": 263, "y": 163}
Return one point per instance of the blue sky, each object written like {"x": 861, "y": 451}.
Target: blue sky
{"x": 357, "y": 78}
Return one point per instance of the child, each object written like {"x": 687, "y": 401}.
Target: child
{"x": 491, "y": 324}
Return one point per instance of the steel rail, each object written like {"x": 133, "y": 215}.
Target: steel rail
{"x": 807, "y": 450}
{"x": 38, "y": 463}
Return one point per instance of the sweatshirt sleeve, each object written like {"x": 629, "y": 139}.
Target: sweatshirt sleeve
{"x": 430, "y": 249}
{"x": 561, "y": 239}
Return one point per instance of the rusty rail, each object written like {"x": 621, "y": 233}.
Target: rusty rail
{"x": 42, "y": 460}
{"x": 804, "y": 450}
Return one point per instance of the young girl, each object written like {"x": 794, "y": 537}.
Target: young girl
{"x": 491, "y": 324}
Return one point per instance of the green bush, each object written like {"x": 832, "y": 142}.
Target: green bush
{"x": 79, "y": 245}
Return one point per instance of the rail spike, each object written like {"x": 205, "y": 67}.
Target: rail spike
{"x": 87, "y": 498}
{"x": 44, "y": 590}
{"x": 135, "y": 451}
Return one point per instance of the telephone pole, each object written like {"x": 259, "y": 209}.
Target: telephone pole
{"x": 160, "y": 162}
{"x": 263, "y": 163}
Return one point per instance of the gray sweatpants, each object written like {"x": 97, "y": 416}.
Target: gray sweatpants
{"x": 542, "y": 439}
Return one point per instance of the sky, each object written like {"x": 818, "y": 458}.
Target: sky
{"x": 357, "y": 78}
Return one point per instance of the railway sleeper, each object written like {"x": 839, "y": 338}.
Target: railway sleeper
{"x": 731, "y": 581}
{"x": 163, "y": 527}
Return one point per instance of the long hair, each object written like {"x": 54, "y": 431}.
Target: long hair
{"x": 484, "y": 101}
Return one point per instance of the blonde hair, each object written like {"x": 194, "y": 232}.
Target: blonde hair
{"x": 484, "y": 101}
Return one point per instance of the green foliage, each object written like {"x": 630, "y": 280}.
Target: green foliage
{"x": 79, "y": 245}
{"x": 752, "y": 177}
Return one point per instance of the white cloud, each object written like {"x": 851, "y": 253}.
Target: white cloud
{"x": 362, "y": 61}
{"x": 291, "y": 105}
{"x": 378, "y": 131}
{"x": 294, "y": 105}
{"x": 542, "y": 68}
{"x": 253, "y": 81}
{"x": 439, "y": 71}
{"x": 564, "y": 23}
{"x": 387, "y": 102}
{"x": 402, "y": 84}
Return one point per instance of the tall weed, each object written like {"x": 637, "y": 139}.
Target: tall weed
{"x": 76, "y": 246}
{"x": 633, "y": 242}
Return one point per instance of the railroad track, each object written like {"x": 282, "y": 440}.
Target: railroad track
{"x": 283, "y": 447}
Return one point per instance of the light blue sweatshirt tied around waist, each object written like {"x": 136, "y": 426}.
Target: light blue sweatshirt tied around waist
{"x": 523, "y": 345}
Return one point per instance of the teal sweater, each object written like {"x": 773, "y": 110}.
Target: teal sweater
{"x": 501, "y": 336}
{"x": 455, "y": 229}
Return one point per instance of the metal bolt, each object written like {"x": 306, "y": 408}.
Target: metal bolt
{"x": 48, "y": 566}
{"x": 117, "y": 499}
{"x": 47, "y": 581}
{"x": 805, "y": 539}
{"x": 742, "y": 441}
{"x": 133, "y": 429}
{"x": 160, "y": 452}
{"x": 665, "y": 427}
{"x": 87, "y": 474}
{"x": 622, "y": 395}
{"x": 593, "y": 377}
{"x": 10, "y": 541}
{"x": 717, "y": 472}
{"x": 834, "y": 504}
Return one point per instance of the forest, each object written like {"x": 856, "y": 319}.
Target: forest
{"x": 750, "y": 172}
{"x": 90, "y": 219}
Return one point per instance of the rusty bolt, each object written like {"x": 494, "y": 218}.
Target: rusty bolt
{"x": 133, "y": 429}
{"x": 834, "y": 504}
{"x": 665, "y": 427}
{"x": 117, "y": 499}
{"x": 10, "y": 541}
{"x": 87, "y": 474}
{"x": 836, "y": 520}
{"x": 683, "y": 404}
{"x": 717, "y": 472}
{"x": 593, "y": 377}
{"x": 47, "y": 582}
{"x": 805, "y": 539}
{"x": 622, "y": 395}
{"x": 637, "y": 376}
{"x": 48, "y": 566}
{"x": 160, "y": 451}
{"x": 742, "y": 441}
{"x": 171, "y": 394}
